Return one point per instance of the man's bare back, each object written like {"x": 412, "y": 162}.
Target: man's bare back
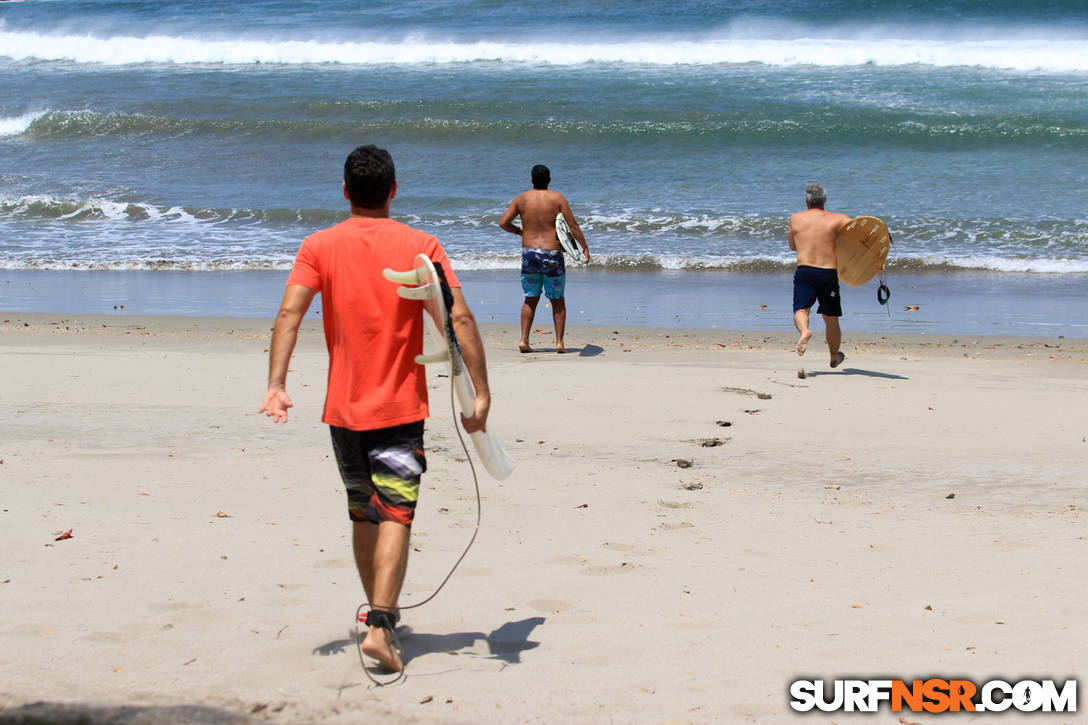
{"x": 538, "y": 209}
{"x": 542, "y": 267}
{"x": 812, "y": 235}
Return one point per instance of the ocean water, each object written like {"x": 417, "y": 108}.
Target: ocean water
{"x": 209, "y": 138}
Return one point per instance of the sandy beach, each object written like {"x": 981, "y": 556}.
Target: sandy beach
{"x": 692, "y": 525}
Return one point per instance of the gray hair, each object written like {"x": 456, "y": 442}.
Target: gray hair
{"x": 815, "y": 195}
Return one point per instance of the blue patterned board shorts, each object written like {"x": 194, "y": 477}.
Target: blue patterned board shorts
{"x": 543, "y": 269}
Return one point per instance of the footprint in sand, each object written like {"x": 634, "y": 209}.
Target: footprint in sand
{"x": 617, "y": 546}
{"x": 748, "y": 391}
{"x": 621, "y": 568}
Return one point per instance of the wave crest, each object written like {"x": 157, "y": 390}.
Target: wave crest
{"x": 1060, "y": 54}
{"x": 48, "y": 208}
{"x": 883, "y": 126}
{"x": 601, "y": 263}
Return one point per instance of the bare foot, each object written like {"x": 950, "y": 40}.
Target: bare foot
{"x": 838, "y": 360}
{"x": 524, "y": 347}
{"x": 560, "y": 347}
{"x": 378, "y": 645}
{"x": 802, "y": 344}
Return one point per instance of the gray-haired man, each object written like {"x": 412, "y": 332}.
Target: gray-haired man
{"x": 812, "y": 235}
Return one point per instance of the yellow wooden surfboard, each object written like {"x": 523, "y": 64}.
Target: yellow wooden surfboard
{"x": 861, "y": 249}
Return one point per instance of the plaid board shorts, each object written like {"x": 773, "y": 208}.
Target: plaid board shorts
{"x": 381, "y": 470}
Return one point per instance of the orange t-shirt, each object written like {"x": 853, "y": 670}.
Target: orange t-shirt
{"x": 372, "y": 334}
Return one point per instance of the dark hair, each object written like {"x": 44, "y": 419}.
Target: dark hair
{"x": 369, "y": 176}
{"x": 541, "y": 177}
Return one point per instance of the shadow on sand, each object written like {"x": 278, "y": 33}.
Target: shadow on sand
{"x": 55, "y": 713}
{"x": 584, "y": 351}
{"x": 855, "y": 371}
{"x": 505, "y": 643}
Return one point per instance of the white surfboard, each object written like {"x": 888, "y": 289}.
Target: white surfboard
{"x": 441, "y": 346}
{"x": 566, "y": 239}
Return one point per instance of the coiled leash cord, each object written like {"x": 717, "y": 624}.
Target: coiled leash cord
{"x": 387, "y": 616}
{"x": 883, "y": 294}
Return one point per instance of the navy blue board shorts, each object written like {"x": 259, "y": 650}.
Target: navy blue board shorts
{"x": 816, "y": 283}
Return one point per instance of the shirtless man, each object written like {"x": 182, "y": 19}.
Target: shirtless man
{"x": 542, "y": 267}
{"x": 812, "y": 236}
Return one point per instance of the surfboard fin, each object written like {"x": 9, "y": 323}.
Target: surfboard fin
{"x": 432, "y": 357}
{"x": 409, "y": 277}
{"x": 416, "y": 293}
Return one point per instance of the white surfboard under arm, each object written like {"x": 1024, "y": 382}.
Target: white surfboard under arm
{"x": 491, "y": 452}
{"x": 488, "y": 447}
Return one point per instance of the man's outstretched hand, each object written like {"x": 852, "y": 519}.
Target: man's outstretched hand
{"x": 276, "y": 403}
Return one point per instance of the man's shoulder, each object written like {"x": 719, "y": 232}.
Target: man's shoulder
{"x": 799, "y": 216}
{"x": 551, "y": 194}
{"x": 356, "y": 225}
{"x": 331, "y": 231}
{"x": 384, "y": 231}
{"x": 552, "y": 201}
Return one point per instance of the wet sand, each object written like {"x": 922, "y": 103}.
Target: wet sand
{"x": 958, "y": 303}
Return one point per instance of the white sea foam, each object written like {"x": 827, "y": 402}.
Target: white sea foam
{"x": 111, "y": 234}
{"x": 17, "y": 125}
{"x": 1014, "y": 52}
{"x": 1037, "y": 265}
{"x": 50, "y": 207}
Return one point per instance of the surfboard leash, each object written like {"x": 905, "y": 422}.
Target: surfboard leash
{"x": 393, "y": 613}
{"x": 883, "y": 294}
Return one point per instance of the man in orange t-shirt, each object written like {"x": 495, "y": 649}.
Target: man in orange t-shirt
{"x": 377, "y": 394}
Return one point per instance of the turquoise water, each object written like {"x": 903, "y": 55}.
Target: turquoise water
{"x": 209, "y": 137}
